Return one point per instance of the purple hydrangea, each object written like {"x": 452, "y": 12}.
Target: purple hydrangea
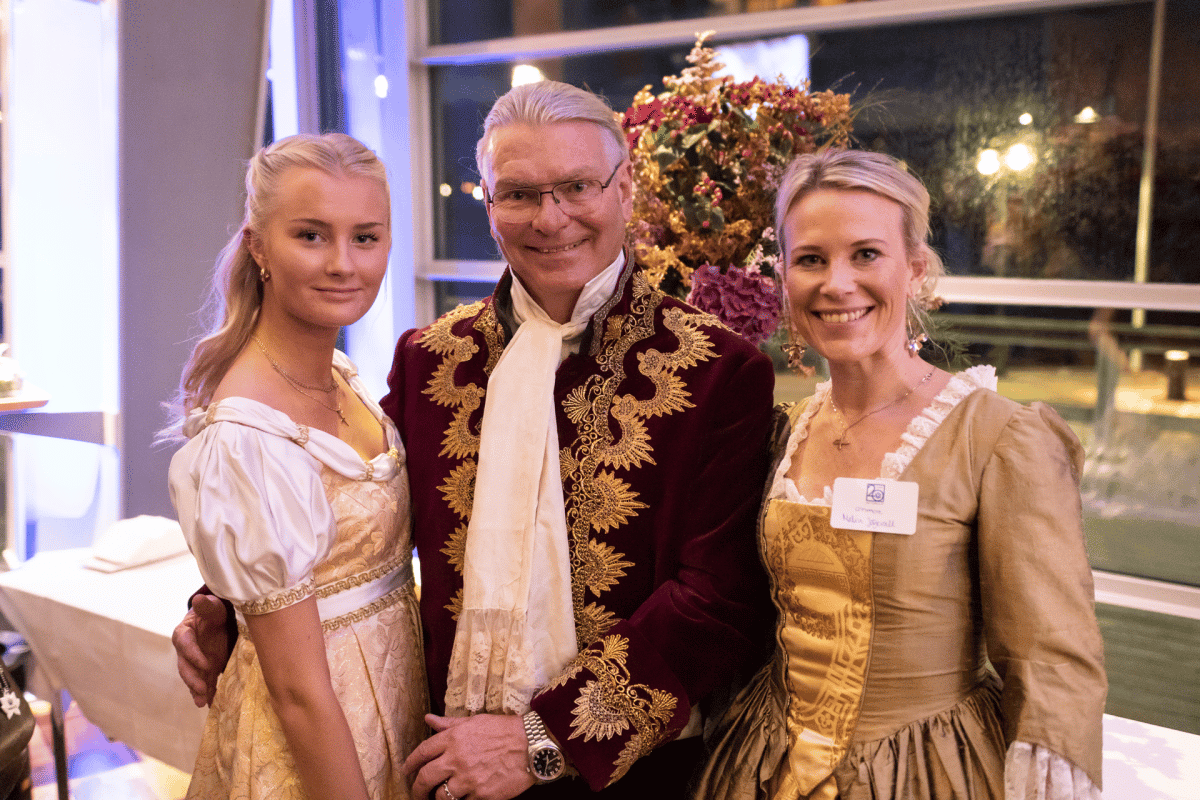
{"x": 747, "y": 303}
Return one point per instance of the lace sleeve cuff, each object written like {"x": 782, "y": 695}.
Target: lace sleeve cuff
{"x": 1034, "y": 772}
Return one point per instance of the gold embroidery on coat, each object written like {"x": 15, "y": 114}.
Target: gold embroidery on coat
{"x": 611, "y": 432}
{"x": 610, "y": 704}
{"x": 459, "y": 488}
{"x": 615, "y": 502}
{"x": 455, "y": 605}
{"x": 593, "y": 622}
{"x": 456, "y": 547}
{"x": 459, "y": 441}
{"x": 493, "y": 336}
{"x": 601, "y": 566}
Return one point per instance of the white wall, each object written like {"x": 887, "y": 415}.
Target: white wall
{"x": 190, "y": 81}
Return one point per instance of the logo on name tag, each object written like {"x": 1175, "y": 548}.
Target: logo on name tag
{"x": 878, "y": 505}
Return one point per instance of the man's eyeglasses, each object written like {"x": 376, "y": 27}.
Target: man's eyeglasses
{"x": 521, "y": 204}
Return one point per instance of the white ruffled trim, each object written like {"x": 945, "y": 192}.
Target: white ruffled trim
{"x": 912, "y": 440}
{"x": 927, "y": 421}
{"x": 1034, "y": 772}
{"x": 782, "y": 486}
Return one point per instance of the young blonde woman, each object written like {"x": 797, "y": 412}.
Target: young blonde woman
{"x": 293, "y": 494}
{"x": 936, "y": 638}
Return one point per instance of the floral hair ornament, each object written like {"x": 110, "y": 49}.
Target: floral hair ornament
{"x": 707, "y": 156}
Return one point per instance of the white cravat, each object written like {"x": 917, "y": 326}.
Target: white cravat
{"x": 516, "y": 630}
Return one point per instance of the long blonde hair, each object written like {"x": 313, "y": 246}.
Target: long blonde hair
{"x": 236, "y": 294}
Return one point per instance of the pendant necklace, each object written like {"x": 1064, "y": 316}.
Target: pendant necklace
{"x": 300, "y": 387}
{"x": 841, "y": 441}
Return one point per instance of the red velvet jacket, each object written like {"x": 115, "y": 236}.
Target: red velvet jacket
{"x": 662, "y": 423}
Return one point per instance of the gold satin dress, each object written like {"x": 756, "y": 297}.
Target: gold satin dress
{"x": 881, "y": 685}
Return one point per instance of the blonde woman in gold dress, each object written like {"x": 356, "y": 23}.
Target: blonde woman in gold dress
{"x": 293, "y": 494}
{"x": 936, "y": 637}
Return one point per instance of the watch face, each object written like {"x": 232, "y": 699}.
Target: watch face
{"x": 547, "y": 763}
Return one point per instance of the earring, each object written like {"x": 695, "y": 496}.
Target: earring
{"x": 263, "y": 275}
{"x": 915, "y": 338}
{"x": 795, "y": 349}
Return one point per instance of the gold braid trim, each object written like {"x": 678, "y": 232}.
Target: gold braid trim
{"x": 369, "y": 610}
{"x": 288, "y": 597}
{"x": 330, "y": 589}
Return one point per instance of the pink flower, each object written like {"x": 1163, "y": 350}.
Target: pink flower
{"x": 749, "y": 304}
{"x": 649, "y": 114}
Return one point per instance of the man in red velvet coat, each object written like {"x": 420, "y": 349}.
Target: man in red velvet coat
{"x": 661, "y": 416}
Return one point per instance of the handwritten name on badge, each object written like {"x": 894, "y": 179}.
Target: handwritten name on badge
{"x": 878, "y": 505}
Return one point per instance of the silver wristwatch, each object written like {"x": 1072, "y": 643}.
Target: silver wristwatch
{"x": 546, "y": 762}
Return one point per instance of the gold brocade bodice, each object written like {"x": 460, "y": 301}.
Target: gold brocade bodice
{"x": 374, "y": 534}
{"x": 821, "y": 578}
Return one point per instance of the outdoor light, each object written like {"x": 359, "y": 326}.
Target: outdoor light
{"x": 1176, "y": 369}
{"x": 444, "y": 190}
{"x": 1019, "y": 157}
{"x": 1087, "y": 116}
{"x": 988, "y": 163}
{"x": 1025, "y": 119}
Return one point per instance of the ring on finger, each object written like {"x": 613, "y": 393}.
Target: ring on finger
{"x": 446, "y": 790}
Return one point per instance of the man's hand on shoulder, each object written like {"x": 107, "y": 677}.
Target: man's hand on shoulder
{"x": 201, "y": 647}
{"x": 484, "y": 757}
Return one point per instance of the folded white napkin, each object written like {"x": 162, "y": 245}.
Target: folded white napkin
{"x": 133, "y": 542}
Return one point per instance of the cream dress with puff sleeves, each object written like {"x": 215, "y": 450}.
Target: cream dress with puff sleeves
{"x": 276, "y": 512}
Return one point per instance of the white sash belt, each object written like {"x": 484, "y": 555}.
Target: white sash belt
{"x": 356, "y": 597}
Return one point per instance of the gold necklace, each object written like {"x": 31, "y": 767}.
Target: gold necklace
{"x": 300, "y": 387}
{"x": 841, "y": 441}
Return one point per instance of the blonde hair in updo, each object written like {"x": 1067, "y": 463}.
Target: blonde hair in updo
{"x": 236, "y": 292}
{"x": 837, "y": 168}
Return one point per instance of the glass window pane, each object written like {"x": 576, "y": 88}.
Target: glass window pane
{"x": 455, "y": 21}
{"x": 448, "y": 295}
{"x": 1028, "y": 130}
{"x": 1141, "y": 430}
{"x": 1175, "y": 235}
{"x": 1151, "y": 664}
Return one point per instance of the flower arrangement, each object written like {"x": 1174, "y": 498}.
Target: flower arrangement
{"x": 707, "y": 156}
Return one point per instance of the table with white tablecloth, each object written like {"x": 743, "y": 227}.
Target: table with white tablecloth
{"x": 106, "y": 639}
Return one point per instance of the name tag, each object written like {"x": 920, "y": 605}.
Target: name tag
{"x": 879, "y": 506}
